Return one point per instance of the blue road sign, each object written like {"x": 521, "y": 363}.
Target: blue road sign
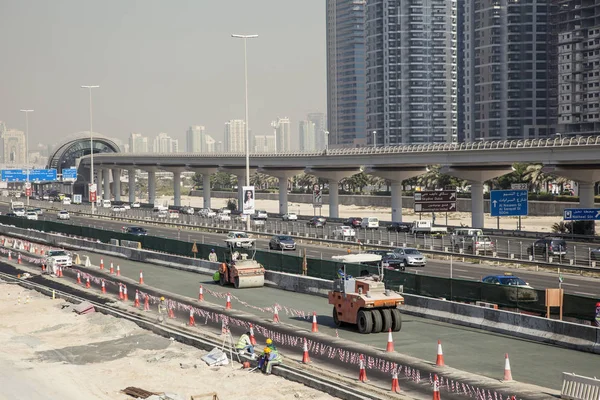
{"x": 69, "y": 174}
{"x": 582, "y": 214}
{"x": 14, "y": 175}
{"x": 505, "y": 203}
{"x": 35, "y": 175}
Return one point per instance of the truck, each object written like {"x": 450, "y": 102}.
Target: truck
{"x": 18, "y": 208}
{"x": 427, "y": 227}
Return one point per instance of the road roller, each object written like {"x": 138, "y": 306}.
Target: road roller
{"x": 242, "y": 272}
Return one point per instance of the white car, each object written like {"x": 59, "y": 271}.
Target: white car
{"x": 290, "y": 217}
{"x": 261, "y": 214}
{"x": 19, "y": 212}
{"x": 222, "y": 217}
{"x": 67, "y": 201}
{"x": 344, "y": 232}
{"x": 239, "y": 239}
{"x": 63, "y": 215}
{"x": 32, "y": 215}
{"x": 135, "y": 204}
{"x": 118, "y": 209}
{"x": 126, "y": 206}
{"x": 206, "y": 212}
{"x": 61, "y": 257}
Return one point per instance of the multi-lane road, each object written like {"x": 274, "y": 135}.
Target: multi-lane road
{"x": 574, "y": 284}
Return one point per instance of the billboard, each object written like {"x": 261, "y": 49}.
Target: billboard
{"x": 93, "y": 188}
{"x": 317, "y": 196}
{"x": 248, "y": 200}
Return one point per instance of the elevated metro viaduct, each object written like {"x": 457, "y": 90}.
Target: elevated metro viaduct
{"x": 573, "y": 158}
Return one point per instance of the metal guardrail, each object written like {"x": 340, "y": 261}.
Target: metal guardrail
{"x": 577, "y": 387}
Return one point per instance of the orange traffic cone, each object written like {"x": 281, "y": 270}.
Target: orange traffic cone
{"x": 101, "y": 263}
{"x": 103, "y": 286}
{"x": 362, "y": 374}
{"x": 112, "y": 270}
{"x": 436, "y": 388}
{"x": 252, "y": 339}
{"x": 171, "y": 313}
{"x": 507, "y": 373}
{"x": 9, "y": 256}
{"x": 43, "y": 267}
{"x": 147, "y": 303}
{"x": 121, "y": 297}
{"x": 87, "y": 283}
{"x": 125, "y": 297}
{"x": 78, "y": 278}
{"x": 19, "y": 259}
{"x": 275, "y": 315}
{"x": 390, "y": 343}
{"x": 201, "y": 294}
{"x": 305, "y": 357}
{"x": 440, "y": 355}
{"x": 60, "y": 272}
{"x": 192, "y": 322}
{"x": 136, "y": 301}
{"x": 228, "y": 303}
{"x": 141, "y": 278}
{"x": 118, "y": 270}
{"x": 395, "y": 385}
{"x": 315, "y": 328}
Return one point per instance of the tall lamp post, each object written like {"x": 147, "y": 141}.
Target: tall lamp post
{"x": 326, "y": 141}
{"x": 374, "y": 138}
{"x": 245, "y": 37}
{"x": 90, "y": 87}
{"x": 27, "y": 148}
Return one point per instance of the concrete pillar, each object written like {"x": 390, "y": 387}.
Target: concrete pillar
{"x": 477, "y": 218}
{"x": 334, "y": 199}
{"x": 151, "y": 187}
{"x": 106, "y": 183}
{"x": 586, "y": 195}
{"x": 283, "y": 195}
{"x": 396, "y": 201}
{"x": 177, "y": 187}
{"x": 206, "y": 190}
{"x": 117, "y": 183}
{"x": 284, "y": 176}
{"x": 131, "y": 176}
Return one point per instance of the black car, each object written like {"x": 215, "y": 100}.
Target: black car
{"x": 10, "y": 214}
{"x": 282, "y": 242}
{"x": 353, "y": 222}
{"x": 136, "y": 231}
{"x": 390, "y": 259}
{"x": 318, "y": 222}
{"x": 399, "y": 227}
{"x": 550, "y": 246}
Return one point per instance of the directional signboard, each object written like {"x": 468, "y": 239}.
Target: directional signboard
{"x": 505, "y": 203}
{"x": 35, "y": 175}
{"x": 435, "y": 201}
{"x": 317, "y": 197}
{"x": 69, "y": 174}
{"x": 582, "y": 214}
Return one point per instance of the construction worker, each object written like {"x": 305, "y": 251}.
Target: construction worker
{"x": 217, "y": 277}
{"x": 212, "y": 256}
{"x": 597, "y": 319}
{"x": 342, "y": 275}
{"x": 162, "y": 306}
{"x": 273, "y": 358}
{"x": 262, "y": 359}
{"x": 244, "y": 344}
{"x": 270, "y": 344}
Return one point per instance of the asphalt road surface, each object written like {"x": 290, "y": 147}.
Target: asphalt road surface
{"x": 464, "y": 348}
{"x": 572, "y": 283}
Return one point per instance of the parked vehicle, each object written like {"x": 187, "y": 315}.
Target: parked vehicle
{"x": 290, "y": 217}
{"x": 135, "y": 230}
{"x": 353, "y": 222}
{"x": 550, "y": 246}
{"x": 595, "y": 254}
{"x": 474, "y": 243}
{"x": 262, "y": 214}
{"x": 173, "y": 214}
{"x": 411, "y": 257}
{"x": 206, "y": 213}
{"x": 63, "y": 215}
{"x": 118, "y": 209}
{"x": 106, "y": 204}
{"x": 162, "y": 214}
{"x": 223, "y": 217}
{"x": 317, "y": 222}
{"x": 282, "y": 242}
{"x": 344, "y": 232}
{"x": 516, "y": 289}
{"x": 31, "y": 216}
{"x": 426, "y": 227}
{"x": 187, "y": 210}
{"x": 136, "y": 204}
{"x": 370, "y": 223}
{"x": 399, "y": 227}
{"x": 61, "y": 257}
{"x": 256, "y": 220}
{"x": 239, "y": 239}
{"x": 126, "y": 206}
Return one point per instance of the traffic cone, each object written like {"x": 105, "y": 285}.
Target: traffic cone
{"x": 101, "y": 263}
{"x": 228, "y": 303}
{"x": 192, "y": 322}
{"x": 436, "y": 388}
{"x": 362, "y": 374}
{"x": 390, "y": 343}
{"x": 60, "y": 272}
{"x": 315, "y": 328}
{"x": 147, "y": 303}
{"x": 201, "y": 294}
{"x": 440, "y": 355}
{"x": 125, "y": 297}
{"x": 19, "y": 259}
{"x": 252, "y": 339}
{"x": 305, "y": 357}
{"x": 43, "y": 267}
{"x": 395, "y": 385}
{"x": 87, "y": 283}
{"x": 112, "y": 270}
{"x": 275, "y": 315}
{"x": 507, "y": 373}
{"x": 171, "y": 313}
{"x": 118, "y": 270}
{"x": 9, "y": 256}
{"x": 103, "y": 286}
{"x": 121, "y": 297}
{"x": 78, "y": 278}
{"x": 141, "y": 278}
{"x": 136, "y": 301}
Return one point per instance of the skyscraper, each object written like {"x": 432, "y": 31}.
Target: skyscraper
{"x": 282, "y": 134}
{"x": 163, "y": 143}
{"x": 320, "y": 121}
{"x": 138, "y": 143}
{"x": 14, "y": 147}
{"x": 306, "y": 130}
{"x": 411, "y": 71}
{"x": 509, "y": 84}
{"x": 235, "y": 136}
{"x": 264, "y": 144}
{"x": 346, "y": 72}
{"x": 195, "y": 139}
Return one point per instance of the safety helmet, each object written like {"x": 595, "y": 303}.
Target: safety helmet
{"x": 162, "y": 299}
{"x": 212, "y": 250}
{"x": 269, "y": 341}
{"x": 267, "y": 350}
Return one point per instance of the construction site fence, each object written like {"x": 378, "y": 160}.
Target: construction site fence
{"x": 522, "y": 299}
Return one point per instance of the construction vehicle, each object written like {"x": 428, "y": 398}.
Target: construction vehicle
{"x": 366, "y": 303}
{"x": 242, "y": 272}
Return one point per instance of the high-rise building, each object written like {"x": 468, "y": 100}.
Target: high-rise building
{"x": 320, "y": 121}
{"x": 219, "y": 147}
{"x": 14, "y": 147}
{"x": 577, "y": 24}
{"x": 508, "y": 70}
{"x": 2, "y": 130}
{"x": 283, "y": 134}
{"x": 411, "y": 71}
{"x": 306, "y": 130}
{"x": 195, "y": 140}
{"x": 163, "y": 143}
{"x": 346, "y": 72}
{"x": 138, "y": 143}
{"x": 210, "y": 144}
{"x": 235, "y": 136}
{"x": 174, "y": 143}
{"x": 264, "y": 144}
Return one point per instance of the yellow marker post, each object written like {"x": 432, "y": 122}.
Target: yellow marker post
{"x": 53, "y": 294}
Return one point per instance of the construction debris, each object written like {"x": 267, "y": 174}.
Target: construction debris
{"x": 206, "y": 396}
{"x": 84, "y": 308}
{"x": 216, "y": 357}
{"x": 138, "y": 393}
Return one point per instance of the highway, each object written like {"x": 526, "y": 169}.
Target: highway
{"x": 464, "y": 348}
{"x": 572, "y": 283}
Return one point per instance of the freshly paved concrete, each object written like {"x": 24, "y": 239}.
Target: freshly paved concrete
{"x": 464, "y": 348}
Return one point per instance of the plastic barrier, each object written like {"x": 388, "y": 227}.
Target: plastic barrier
{"x": 577, "y": 387}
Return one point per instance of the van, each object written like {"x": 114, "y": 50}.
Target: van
{"x": 106, "y": 204}
{"x": 370, "y": 223}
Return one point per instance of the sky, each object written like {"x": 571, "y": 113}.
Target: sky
{"x": 161, "y": 65}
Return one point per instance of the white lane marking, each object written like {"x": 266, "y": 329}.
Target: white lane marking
{"x": 466, "y": 277}
{"x": 460, "y": 270}
{"x": 585, "y": 294}
{"x": 569, "y": 284}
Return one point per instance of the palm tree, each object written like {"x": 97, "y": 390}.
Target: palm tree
{"x": 535, "y": 176}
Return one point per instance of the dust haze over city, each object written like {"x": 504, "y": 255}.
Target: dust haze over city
{"x": 161, "y": 66}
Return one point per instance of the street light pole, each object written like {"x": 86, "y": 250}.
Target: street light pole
{"x": 374, "y": 138}
{"x": 245, "y": 37}
{"x": 90, "y": 87}
{"x": 326, "y": 141}
{"x": 27, "y": 146}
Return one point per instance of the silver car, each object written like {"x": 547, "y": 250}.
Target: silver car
{"x": 411, "y": 257}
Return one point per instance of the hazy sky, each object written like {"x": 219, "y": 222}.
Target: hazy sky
{"x": 161, "y": 65}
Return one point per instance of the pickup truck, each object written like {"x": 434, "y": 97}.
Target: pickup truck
{"x": 61, "y": 257}
{"x": 426, "y": 227}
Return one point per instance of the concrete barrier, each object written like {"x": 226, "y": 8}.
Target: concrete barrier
{"x": 577, "y": 387}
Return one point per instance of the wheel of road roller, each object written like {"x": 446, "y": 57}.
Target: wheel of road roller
{"x": 364, "y": 321}
{"x": 236, "y": 282}
{"x": 386, "y": 313}
{"x": 397, "y": 318}
{"x": 222, "y": 280}
{"x": 336, "y": 318}
{"x": 377, "y": 321}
